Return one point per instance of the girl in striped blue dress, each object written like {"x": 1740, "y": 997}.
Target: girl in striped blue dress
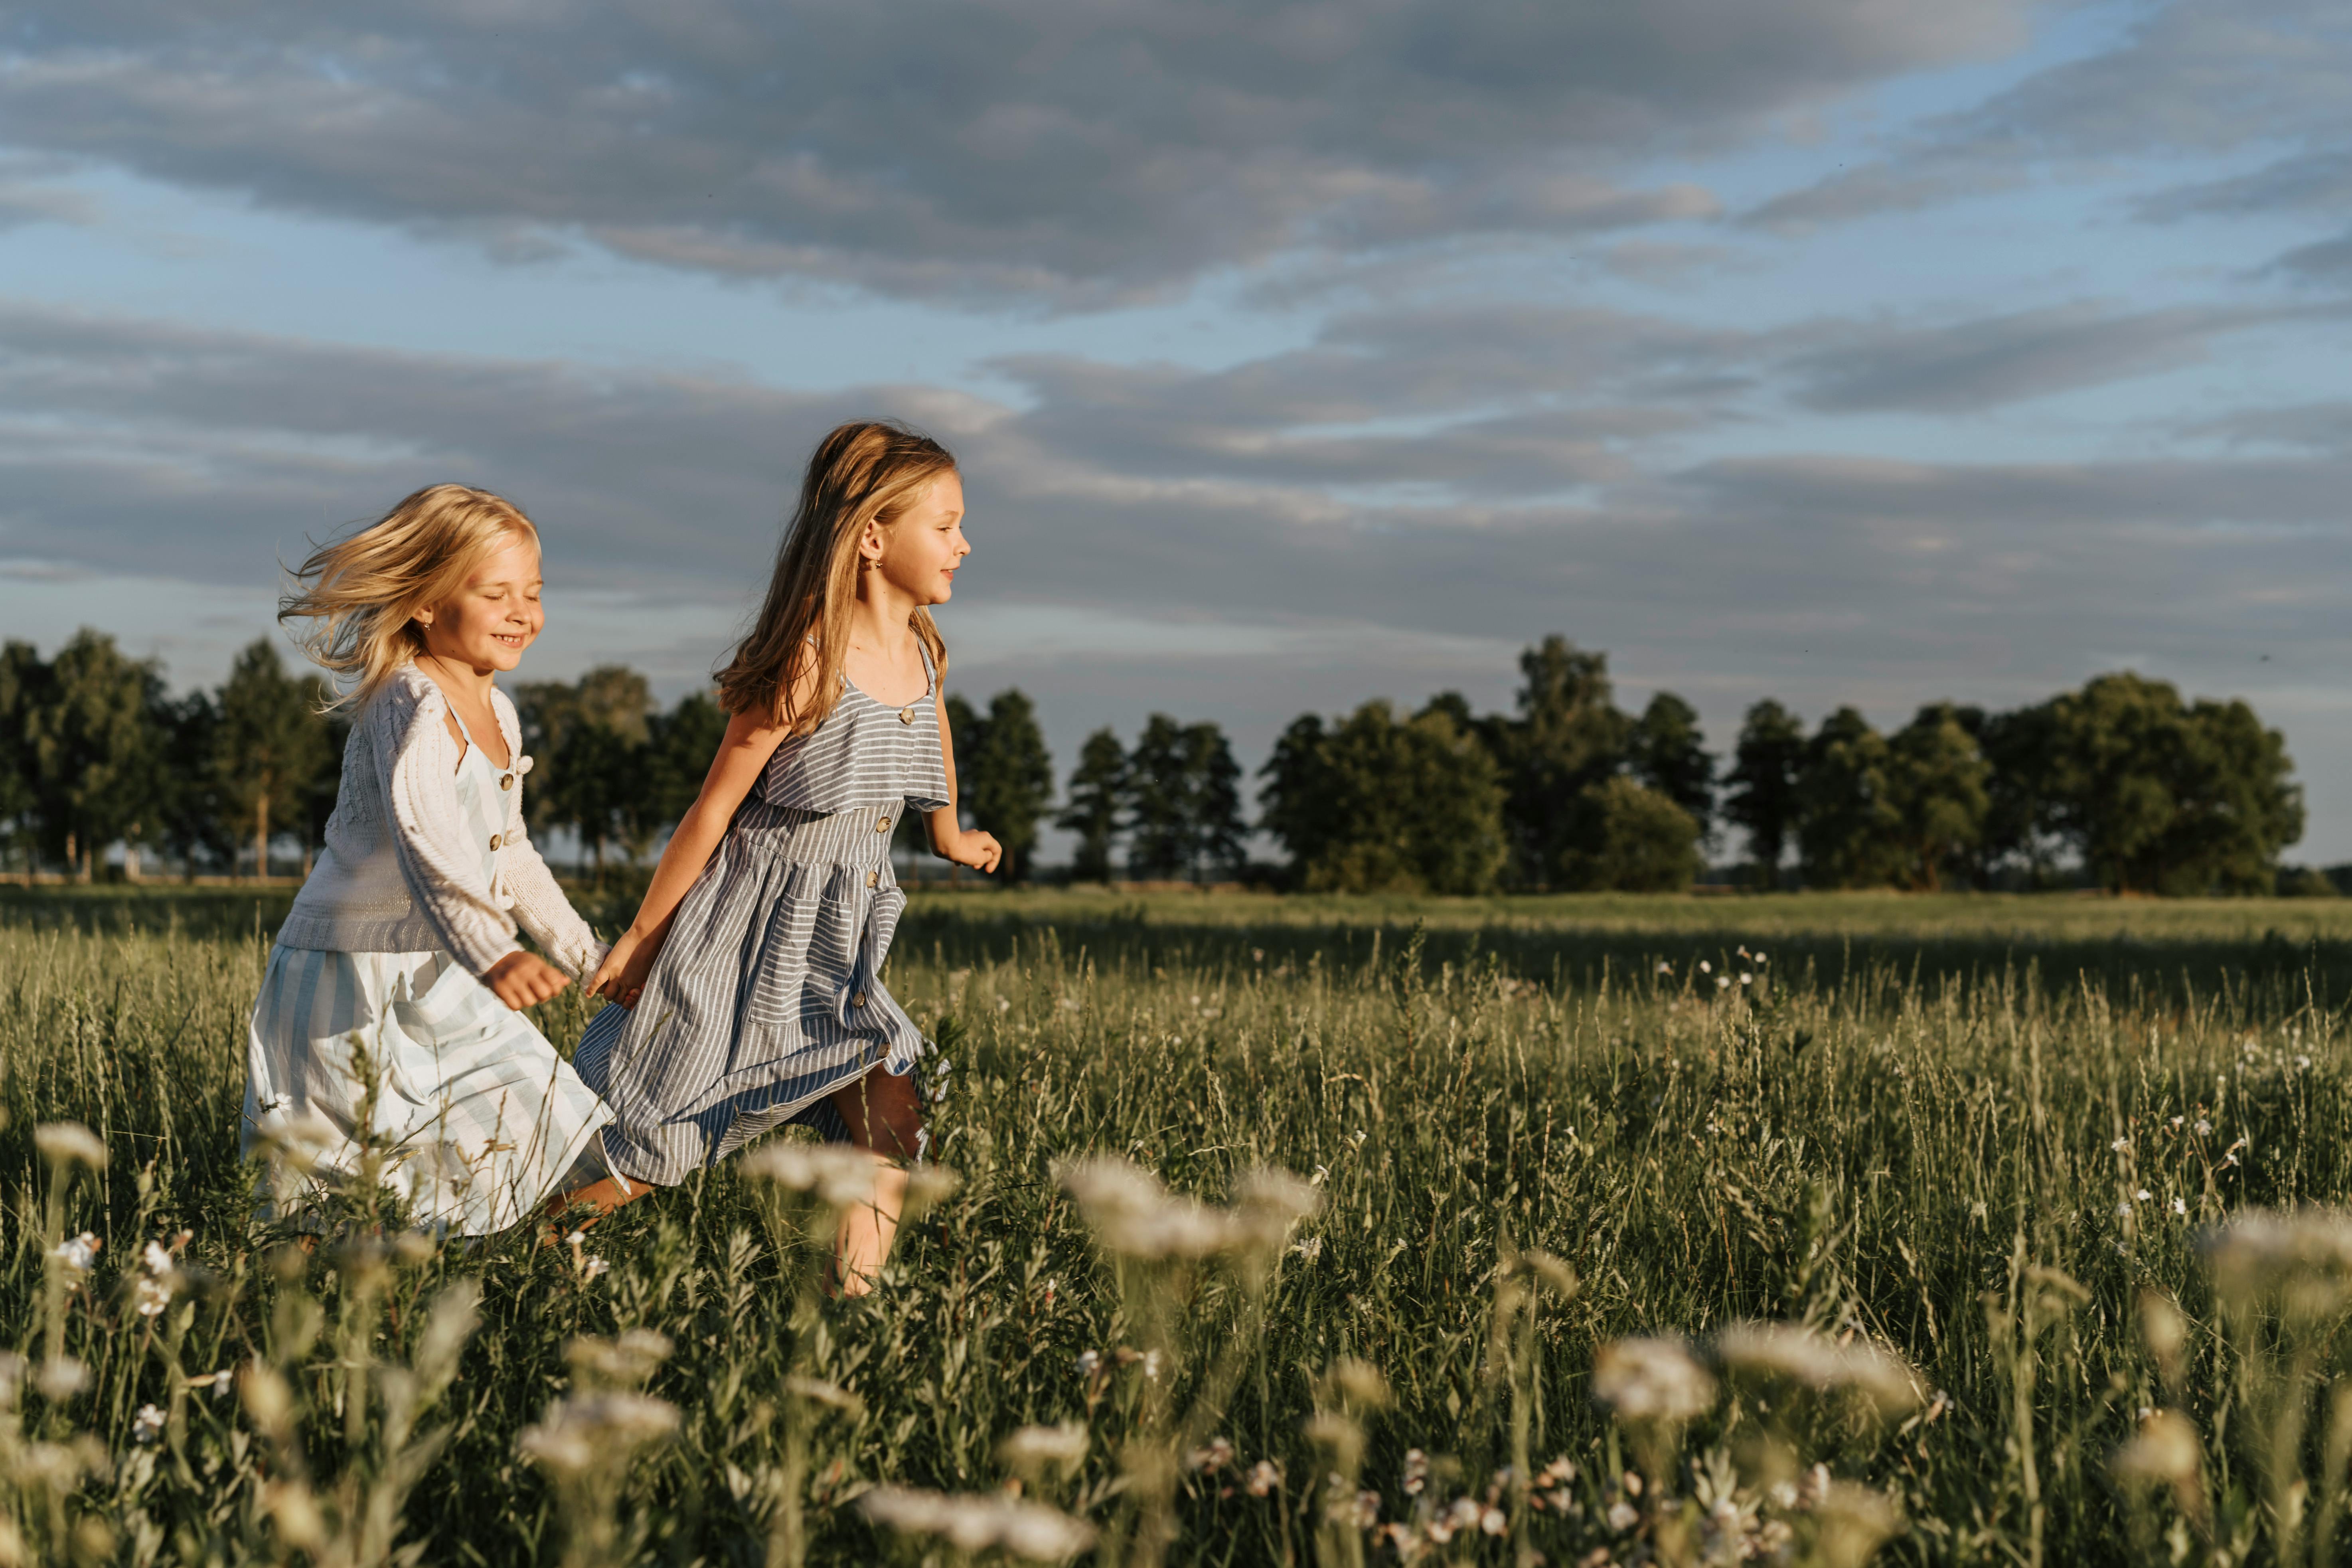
{"x": 750, "y": 984}
{"x": 389, "y": 1039}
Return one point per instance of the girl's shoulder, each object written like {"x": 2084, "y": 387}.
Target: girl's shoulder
{"x": 406, "y": 695}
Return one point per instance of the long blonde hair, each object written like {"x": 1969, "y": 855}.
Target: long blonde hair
{"x": 361, "y": 592}
{"x": 867, "y": 471}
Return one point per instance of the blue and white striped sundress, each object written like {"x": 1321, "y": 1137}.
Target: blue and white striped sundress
{"x": 767, "y": 996}
{"x": 474, "y": 1119}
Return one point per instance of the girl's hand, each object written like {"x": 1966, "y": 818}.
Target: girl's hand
{"x": 975, "y": 849}
{"x": 622, "y": 973}
{"x": 523, "y": 980}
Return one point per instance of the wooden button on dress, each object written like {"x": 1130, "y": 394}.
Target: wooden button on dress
{"x": 907, "y": 714}
{"x": 882, "y": 824}
{"x": 494, "y": 840}
{"x": 873, "y": 879}
{"x": 506, "y": 781}
{"x": 858, "y": 1000}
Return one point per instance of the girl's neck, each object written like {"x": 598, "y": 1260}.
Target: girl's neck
{"x": 460, "y": 678}
{"x": 882, "y": 617}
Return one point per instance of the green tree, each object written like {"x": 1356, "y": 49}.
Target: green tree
{"x": 23, "y": 691}
{"x": 1568, "y": 736}
{"x": 1005, "y": 778}
{"x": 1762, "y": 801}
{"x": 1097, "y": 786}
{"x": 591, "y": 770}
{"x": 1157, "y": 800}
{"x": 681, "y": 744}
{"x": 1295, "y": 803}
{"x": 2163, "y": 796}
{"x": 194, "y": 822}
{"x": 1213, "y": 783}
{"x": 1666, "y": 751}
{"x": 97, "y": 755}
{"x": 1630, "y": 839}
{"x": 2021, "y": 827}
{"x": 1374, "y": 804}
{"x": 1848, "y": 831}
{"x": 1937, "y": 783}
{"x": 270, "y": 744}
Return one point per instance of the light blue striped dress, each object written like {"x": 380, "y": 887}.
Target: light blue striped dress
{"x": 767, "y": 996}
{"x": 474, "y": 1119}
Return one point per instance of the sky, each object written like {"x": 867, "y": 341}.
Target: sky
{"x": 1296, "y": 353}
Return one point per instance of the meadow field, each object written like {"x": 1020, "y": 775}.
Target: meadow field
{"x": 1801, "y": 1228}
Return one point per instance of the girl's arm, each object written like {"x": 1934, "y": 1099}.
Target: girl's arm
{"x": 951, "y": 840}
{"x": 752, "y": 740}
{"x": 418, "y": 760}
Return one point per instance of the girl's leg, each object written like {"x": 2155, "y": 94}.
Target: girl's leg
{"x": 884, "y": 1118}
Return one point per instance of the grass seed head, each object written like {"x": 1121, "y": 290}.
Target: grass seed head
{"x": 591, "y": 1433}
{"x": 973, "y": 1524}
{"x": 1801, "y": 1355}
{"x": 2300, "y": 1261}
{"x": 622, "y": 1363}
{"x": 1651, "y": 1380}
{"x": 65, "y": 1145}
{"x": 836, "y": 1173}
{"x": 1031, "y": 1450}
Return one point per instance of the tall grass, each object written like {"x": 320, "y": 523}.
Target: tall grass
{"x": 1977, "y": 1186}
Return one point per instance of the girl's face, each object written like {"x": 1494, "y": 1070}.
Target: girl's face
{"x": 918, "y": 554}
{"x": 494, "y": 617}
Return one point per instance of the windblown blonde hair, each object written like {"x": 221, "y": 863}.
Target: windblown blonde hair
{"x": 361, "y": 592}
{"x": 868, "y": 471}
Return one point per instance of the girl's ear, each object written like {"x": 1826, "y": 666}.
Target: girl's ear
{"x": 869, "y": 543}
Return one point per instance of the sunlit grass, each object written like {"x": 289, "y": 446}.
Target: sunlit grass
{"x": 1961, "y": 1153}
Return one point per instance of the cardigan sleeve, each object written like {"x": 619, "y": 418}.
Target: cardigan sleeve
{"x": 538, "y": 904}
{"x": 418, "y": 763}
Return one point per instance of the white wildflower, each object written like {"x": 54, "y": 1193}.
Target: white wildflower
{"x": 2165, "y": 1450}
{"x": 60, "y": 1378}
{"x": 2120, "y": 1144}
{"x": 1310, "y": 1248}
{"x": 1705, "y": 967}
{"x": 1416, "y": 1471}
{"x": 1492, "y": 1522}
{"x": 1621, "y": 1516}
{"x": 1665, "y": 968}
{"x": 1265, "y": 1477}
{"x": 1746, "y": 978}
{"x": 2204, "y": 1127}
{"x": 625, "y": 1360}
{"x": 1805, "y": 1356}
{"x": 77, "y": 1254}
{"x": 151, "y": 1296}
{"x": 976, "y": 1523}
{"x": 1034, "y": 1448}
{"x": 69, "y": 1143}
{"x": 1651, "y": 1380}
{"x": 2180, "y": 1206}
{"x": 589, "y": 1432}
{"x": 1210, "y": 1459}
{"x": 1132, "y": 1213}
{"x": 2303, "y": 1258}
{"x": 1004, "y": 1004}
{"x": 147, "y": 1426}
{"x": 837, "y": 1174}
{"x": 593, "y": 1268}
{"x": 1088, "y": 1362}
{"x": 2142, "y": 1195}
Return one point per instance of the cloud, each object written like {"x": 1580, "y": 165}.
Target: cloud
{"x": 1974, "y": 364}
{"x": 2202, "y": 78}
{"x": 1050, "y": 148}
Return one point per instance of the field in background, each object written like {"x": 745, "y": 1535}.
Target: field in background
{"x": 1975, "y": 1130}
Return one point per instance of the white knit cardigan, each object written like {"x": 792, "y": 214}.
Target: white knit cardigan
{"x": 399, "y": 873}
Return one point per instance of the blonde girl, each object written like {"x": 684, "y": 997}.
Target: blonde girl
{"x": 751, "y": 981}
{"x": 390, "y": 1014}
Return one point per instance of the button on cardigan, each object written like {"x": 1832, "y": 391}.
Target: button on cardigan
{"x": 399, "y": 873}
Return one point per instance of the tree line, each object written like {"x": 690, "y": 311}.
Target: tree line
{"x": 2124, "y": 783}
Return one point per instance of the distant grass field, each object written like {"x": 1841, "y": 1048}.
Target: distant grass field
{"x": 1983, "y": 1134}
